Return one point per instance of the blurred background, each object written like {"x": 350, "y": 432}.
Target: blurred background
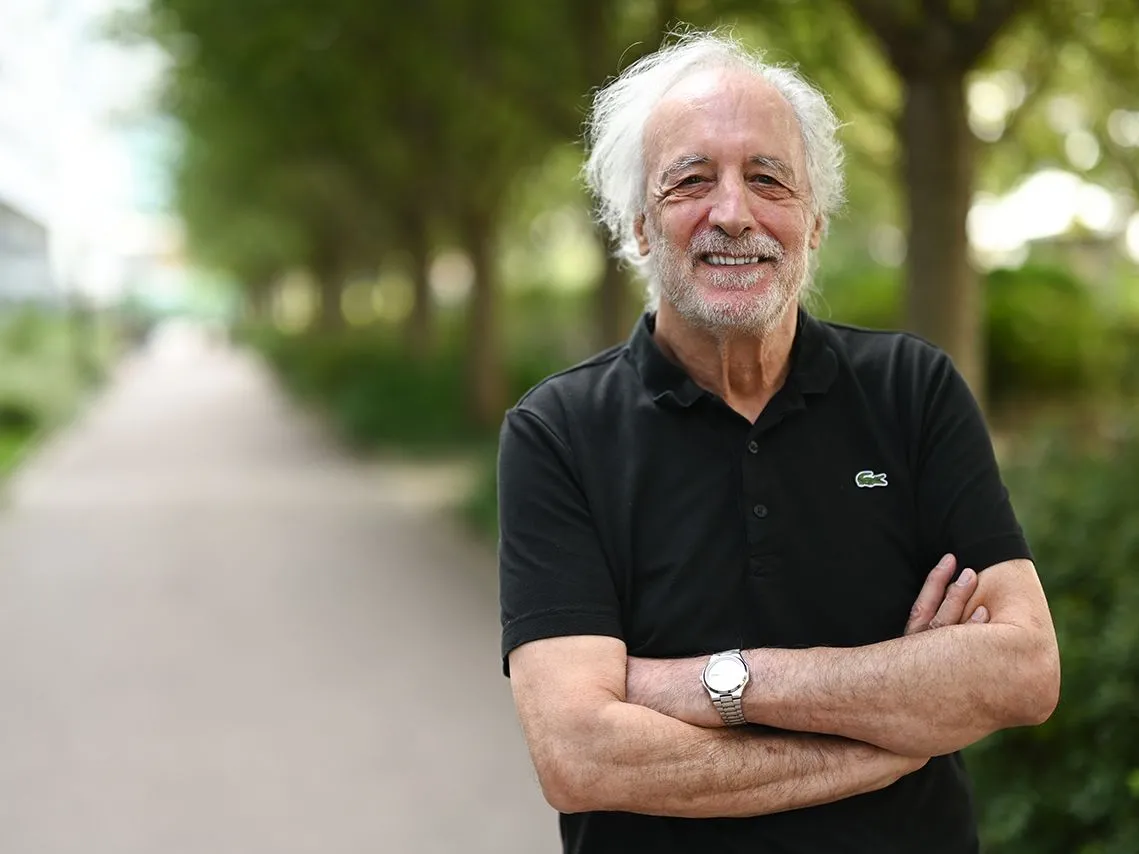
{"x": 371, "y": 213}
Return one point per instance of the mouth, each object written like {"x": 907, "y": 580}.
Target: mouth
{"x": 715, "y": 260}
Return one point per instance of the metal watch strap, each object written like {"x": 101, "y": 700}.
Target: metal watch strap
{"x": 731, "y": 709}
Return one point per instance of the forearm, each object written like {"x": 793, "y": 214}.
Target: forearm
{"x": 629, "y": 758}
{"x": 922, "y": 695}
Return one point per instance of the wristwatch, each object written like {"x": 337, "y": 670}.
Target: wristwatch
{"x": 725, "y": 676}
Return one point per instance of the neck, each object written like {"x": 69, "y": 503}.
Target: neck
{"x": 745, "y": 369}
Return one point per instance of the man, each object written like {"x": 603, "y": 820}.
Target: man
{"x": 719, "y": 618}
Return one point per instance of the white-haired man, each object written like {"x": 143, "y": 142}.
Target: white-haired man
{"x": 719, "y": 619}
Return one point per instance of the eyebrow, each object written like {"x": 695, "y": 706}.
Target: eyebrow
{"x": 774, "y": 164}
{"x": 781, "y": 169}
{"x": 682, "y": 163}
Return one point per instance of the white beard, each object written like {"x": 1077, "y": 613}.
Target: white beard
{"x": 758, "y": 315}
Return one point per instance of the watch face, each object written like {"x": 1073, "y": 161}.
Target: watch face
{"x": 725, "y": 675}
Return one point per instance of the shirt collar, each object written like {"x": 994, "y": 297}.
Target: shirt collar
{"x": 813, "y": 362}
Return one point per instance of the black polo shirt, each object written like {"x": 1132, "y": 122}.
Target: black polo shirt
{"x": 637, "y": 505}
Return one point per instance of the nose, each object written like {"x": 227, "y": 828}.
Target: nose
{"x": 730, "y": 211}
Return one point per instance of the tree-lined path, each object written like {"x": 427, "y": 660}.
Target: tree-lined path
{"x": 219, "y": 634}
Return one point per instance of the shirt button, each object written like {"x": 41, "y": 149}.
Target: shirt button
{"x": 759, "y": 510}
{"x": 753, "y": 446}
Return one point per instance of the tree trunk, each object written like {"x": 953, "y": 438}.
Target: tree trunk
{"x": 486, "y": 382}
{"x": 944, "y": 300}
{"x": 612, "y": 303}
{"x": 420, "y": 329}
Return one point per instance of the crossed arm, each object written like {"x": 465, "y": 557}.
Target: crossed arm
{"x": 925, "y": 694}
{"x": 610, "y": 732}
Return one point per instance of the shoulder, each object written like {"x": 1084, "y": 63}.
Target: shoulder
{"x": 904, "y": 365}
{"x": 579, "y": 392}
{"x": 882, "y": 347}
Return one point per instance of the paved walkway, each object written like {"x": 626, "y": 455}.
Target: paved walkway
{"x": 219, "y": 635}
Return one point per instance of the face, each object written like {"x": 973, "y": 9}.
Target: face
{"x": 728, "y": 226}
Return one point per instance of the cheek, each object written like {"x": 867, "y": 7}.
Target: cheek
{"x": 680, "y": 221}
{"x": 790, "y": 226}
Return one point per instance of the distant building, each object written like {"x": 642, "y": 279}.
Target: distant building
{"x": 25, "y": 266}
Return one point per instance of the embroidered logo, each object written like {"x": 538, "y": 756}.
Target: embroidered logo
{"x": 869, "y": 479}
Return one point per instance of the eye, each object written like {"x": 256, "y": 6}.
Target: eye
{"x": 690, "y": 181}
{"x": 766, "y": 180}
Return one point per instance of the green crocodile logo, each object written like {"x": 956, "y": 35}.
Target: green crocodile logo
{"x": 868, "y": 478}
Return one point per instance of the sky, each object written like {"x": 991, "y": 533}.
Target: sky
{"x": 80, "y": 145}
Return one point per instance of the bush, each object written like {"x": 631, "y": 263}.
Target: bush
{"x": 1071, "y": 786}
{"x": 376, "y": 395}
{"x": 480, "y": 510}
{"x": 18, "y": 417}
{"x": 41, "y": 380}
{"x": 1046, "y": 335}
{"x": 872, "y": 297}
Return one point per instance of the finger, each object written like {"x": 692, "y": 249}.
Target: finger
{"x": 981, "y": 615}
{"x": 931, "y": 595}
{"x": 952, "y": 607}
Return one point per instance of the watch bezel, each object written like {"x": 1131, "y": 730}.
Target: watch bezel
{"x": 719, "y": 659}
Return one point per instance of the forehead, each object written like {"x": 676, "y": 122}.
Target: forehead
{"x": 725, "y": 115}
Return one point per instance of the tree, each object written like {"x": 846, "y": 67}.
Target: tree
{"x": 932, "y": 49}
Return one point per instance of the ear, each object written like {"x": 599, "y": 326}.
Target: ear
{"x": 639, "y": 233}
{"x": 817, "y": 231}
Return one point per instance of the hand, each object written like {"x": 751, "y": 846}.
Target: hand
{"x": 943, "y": 604}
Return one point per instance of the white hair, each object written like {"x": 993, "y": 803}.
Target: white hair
{"x": 615, "y": 168}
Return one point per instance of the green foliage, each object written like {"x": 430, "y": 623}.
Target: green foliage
{"x": 376, "y": 396}
{"x": 1071, "y": 786}
{"x": 480, "y": 509}
{"x": 42, "y": 376}
{"x": 38, "y": 382}
{"x": 1045, "y": 334}
{"x": 870, "y": 297}
{"x": 12, "y": 444}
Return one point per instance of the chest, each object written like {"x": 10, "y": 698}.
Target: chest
{"x": 792, "y": 533}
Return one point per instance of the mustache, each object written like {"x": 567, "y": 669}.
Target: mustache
{"x": 760, "y": 245}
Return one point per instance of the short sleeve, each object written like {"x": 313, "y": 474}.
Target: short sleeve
{"x": 554, "y": 580}
{"x": 963, "y": 504}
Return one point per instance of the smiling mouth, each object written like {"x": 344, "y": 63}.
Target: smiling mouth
{"x": 731, "y": 260}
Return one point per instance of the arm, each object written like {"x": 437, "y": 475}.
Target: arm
{"x": 594, "y": 751}
{"x": 924, "y": 694}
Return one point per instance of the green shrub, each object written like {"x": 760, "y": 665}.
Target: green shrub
{"x": 480, "y": 510}
{"x": 26, "y": 330}
{"x": 13, "y": 441}
{"x": 1071, "y": 786}
{"x": 872, "y": 297}
{"x": 1046, "y": 335}
{"x": 18, "y": 417}
{"x": 376, "y": 395}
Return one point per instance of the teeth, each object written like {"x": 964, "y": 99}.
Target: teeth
{"x": 728, "y": 260}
